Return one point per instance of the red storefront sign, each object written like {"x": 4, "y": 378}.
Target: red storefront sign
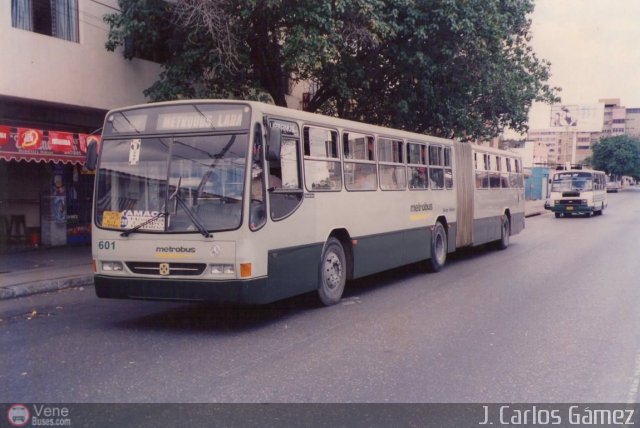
{"x": 5, "y": 133}
{"x": 29, "y": 139}
{"x": 37, "y": 145}
{"x": 61, "y": 142}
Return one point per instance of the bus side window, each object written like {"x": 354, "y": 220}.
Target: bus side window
{"x": 436, "y": 172}
{"x": 393, "y": 173}
{"x": 482, "y": 172}
{"x": 504, "y": 175}
{"x": 494, "y": 174}
{"x": 417, "y": 160}
{"x": 448, "y": 171}
{"x": 322, "y": 167}
{"x": 360, "y": 172}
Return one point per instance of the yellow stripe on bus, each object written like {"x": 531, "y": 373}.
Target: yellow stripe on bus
{"x": 422, "y": 216}
{"x": 171, "y": 256}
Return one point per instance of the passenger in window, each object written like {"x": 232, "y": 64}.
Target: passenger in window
{"x": 364, "y": 182}
{"x": 256, "y": 183}
{"x": 275, "y": 178}
{"x": 418, "y": 178}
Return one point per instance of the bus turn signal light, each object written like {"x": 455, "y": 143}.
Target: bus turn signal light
{"x": 245, "y": 270}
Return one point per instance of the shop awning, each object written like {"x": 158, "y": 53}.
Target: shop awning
{"x": 39, "y": 145}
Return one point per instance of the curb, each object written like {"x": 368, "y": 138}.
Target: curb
{"x": 39, "y": 287}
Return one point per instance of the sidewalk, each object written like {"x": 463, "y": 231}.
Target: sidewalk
{"x": 43, "y": 270}
{"x": 30, "y": 272}
{"x": 533, "y": 208}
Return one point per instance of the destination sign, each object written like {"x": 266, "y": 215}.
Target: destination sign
{"x": 209, "y": 119}
{"x": 179, "y": 117}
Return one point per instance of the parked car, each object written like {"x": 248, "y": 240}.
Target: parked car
{"x": 613, "y": 187}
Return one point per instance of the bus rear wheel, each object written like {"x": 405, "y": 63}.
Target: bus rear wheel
{"x": 333, "y": 273}
{"x": 438, "y": 248}
{"x": 505, "y": 233}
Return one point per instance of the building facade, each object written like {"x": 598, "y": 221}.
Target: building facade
{"x": 574, "y": 130}
{"x": 56, "y": 85}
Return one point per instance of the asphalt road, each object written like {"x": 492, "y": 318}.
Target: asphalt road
{"x": 554, "y": 318}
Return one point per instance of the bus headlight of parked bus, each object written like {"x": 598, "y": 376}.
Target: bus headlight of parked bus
{"x": 112, "y": 266}
{"x": 223, "y": 269}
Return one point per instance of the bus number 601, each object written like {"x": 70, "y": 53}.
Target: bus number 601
{"x": 107, "y": 245}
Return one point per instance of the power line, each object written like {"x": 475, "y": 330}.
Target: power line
{"x": 106, "y": 5}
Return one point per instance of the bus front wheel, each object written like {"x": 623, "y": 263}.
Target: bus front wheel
{"x": 438, "y": 248}
{"x": 333, "y": 273}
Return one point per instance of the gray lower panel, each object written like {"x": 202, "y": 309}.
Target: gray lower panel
{"x": 486, "y": 230}
{"x": 517, "y": 223}
{"x": 377, "y": 253}
{"x": 294, "y": 270}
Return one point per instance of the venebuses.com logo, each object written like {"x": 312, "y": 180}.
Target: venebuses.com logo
{"x": 18, "y": 415}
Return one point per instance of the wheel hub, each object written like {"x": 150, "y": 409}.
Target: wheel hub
{"x": 332, "y": 270}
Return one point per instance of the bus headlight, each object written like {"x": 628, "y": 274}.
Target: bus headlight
{"x": 112, "y": 266}
{"x": 223, "y": 269}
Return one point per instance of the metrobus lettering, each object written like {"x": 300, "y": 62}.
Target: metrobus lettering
{"x": 175, "y": 250}
{"x": 421, "y": 207}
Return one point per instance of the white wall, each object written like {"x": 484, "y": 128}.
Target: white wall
{"x": 526, "y": 153}
{"x": 46, "y": 68}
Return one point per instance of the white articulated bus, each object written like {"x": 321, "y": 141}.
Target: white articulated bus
{"x": 239, "y": 201}
{"x": 578, "y": 191}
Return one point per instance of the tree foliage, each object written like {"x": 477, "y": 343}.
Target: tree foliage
{"x": 618, "y": 155}
{"x": 445, "y": 67}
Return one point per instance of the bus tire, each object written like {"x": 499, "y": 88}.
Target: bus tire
{"x": 333, "y": 272}
{"x": 599, "y": 212}
{"x": 505, "y": 233}
{"x": 438, "y": 248}
{"x": 558, "y": 215}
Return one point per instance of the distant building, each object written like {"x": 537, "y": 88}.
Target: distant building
{"x": 574, "y": 129}
{"x": 533, "y": 153}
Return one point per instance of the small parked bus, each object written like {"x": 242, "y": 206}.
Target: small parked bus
{"x": 239, "y": 201}
{"x": 578, "y": 191}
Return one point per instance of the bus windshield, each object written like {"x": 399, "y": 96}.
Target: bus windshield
{"x": 171, "y": 184}
{"x": 572, "y": 181}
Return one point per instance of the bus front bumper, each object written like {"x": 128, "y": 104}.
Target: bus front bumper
{"x": 249, "y": 291}
{"x": 571, "y": 208}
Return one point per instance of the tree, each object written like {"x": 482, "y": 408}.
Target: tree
{"x": 444, "y": 67}
{"x": 618, "y": 155}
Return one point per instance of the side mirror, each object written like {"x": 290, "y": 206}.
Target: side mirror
{"x": 91, "y": 159}
{"x": 275, "y": 141}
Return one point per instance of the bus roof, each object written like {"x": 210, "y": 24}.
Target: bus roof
{"x": 315, "y": 118}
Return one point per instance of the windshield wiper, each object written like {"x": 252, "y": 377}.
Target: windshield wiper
{"x": 143, "y": 224}
{"x": 192, "y": 216}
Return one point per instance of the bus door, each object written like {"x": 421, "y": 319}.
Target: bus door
{"x": 293, "y": 264}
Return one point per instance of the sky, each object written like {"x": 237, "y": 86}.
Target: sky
{"x": 594, "y": 50}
